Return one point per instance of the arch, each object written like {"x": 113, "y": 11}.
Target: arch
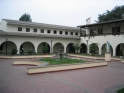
{"x": 57, "y": 46}
{"x": 83, "y": 48}
{"x": 10, "y": 46}
{"x": 118, "y": 48}
{"x": 103, "y": 49}
{"x": 27, "y": 46}
{"x": 41, "y": 45}
{"x": 96, "y": 50}
{"x": 70, "y": 48}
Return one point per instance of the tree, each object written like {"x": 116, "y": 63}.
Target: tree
{"x": 25, "y": 17}
{"x": 77, "y": 47}
{"x": 114, "y": 14}
{"x": 93, "y": 47}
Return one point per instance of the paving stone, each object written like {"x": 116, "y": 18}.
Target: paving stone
{"x": 14, "y": 79}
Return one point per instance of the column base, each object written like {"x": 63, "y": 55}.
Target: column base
{"x": 108, "y": 57}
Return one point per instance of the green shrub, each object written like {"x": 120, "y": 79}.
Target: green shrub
{"x": 14, "y": 51}
{"x": 93, "y": 47}
{"x": 120, "y": 91}
{"x": 44, "y": 49}
{"x": 29, "y": 52}
{"x": 121, "y": 53}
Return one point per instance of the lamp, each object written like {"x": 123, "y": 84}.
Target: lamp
{"x": 87, "y": 45}
{"x": 51, "y": 46}
{"x": 6, "y": 45}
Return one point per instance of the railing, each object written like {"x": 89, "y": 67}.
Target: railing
{"x": 102, "y": 34}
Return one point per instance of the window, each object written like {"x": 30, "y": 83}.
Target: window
{"x": 55, "y": 32}
{"x": 113, "y": 30}
{"x": 92, "y": 32}
{"x": 66, "y": 33}
{"x": 27, "y": 29}
{"x": 76, "y": 33}
{"x": 60, "y": 32}
{"x": 81, "y": 34}
{"x": 48, "y": 31}
{"x": 100, "y": 31}
{"x": 19, "y": 28}
{"x": 118, "y": 30}
{"x": 35, "y": 30}
{"x": 42, "y": 30}
{"x": 71, "y": 33}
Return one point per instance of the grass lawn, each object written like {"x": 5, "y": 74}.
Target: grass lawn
{"x": 63, "y": 61}
{"x": 121, "y": 90}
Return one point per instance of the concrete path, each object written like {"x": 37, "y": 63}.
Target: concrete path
{"x": 107, "y": 79}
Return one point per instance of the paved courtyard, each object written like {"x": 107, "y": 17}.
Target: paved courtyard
{"x": 107, "y": 79}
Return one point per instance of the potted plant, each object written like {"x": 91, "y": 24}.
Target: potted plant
{"x": 77, "y": 47}
{"x": 92, "y": 48}
{"x": 14, "y": 51}
{"x": 121, "y": 54}
{"x": 44, "y": 49}
{"x": 29, "y": 52}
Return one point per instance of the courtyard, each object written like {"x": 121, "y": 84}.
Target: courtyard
{"x": 106, "y": 79}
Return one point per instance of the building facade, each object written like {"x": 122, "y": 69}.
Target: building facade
{"x": 33, "y": 36}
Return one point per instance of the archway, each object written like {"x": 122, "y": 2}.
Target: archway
{"x": 70, "y": 48}
{"x": 57, "y": 46}
{"x": 104, "y": 49}
{"x": 6, "y": 47}
{"x": 83, "y": 48}
{"x": 41, "y": 45}
{"x": 27, "y": 46}
{"x": 96, "y": 49}
{"x": 119, "y": 48}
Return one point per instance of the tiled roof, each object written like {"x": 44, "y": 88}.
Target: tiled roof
{"x": 36, "y": 35}
{"x": 101, "y": 23}
{"x": 42, "y": 25}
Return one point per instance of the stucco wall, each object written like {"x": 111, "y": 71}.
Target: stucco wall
{"x": 14, "y": 28}
{"x": 3, "y": 25}
{"x": 101, "y": 40}
{"x": 36, "y": 41}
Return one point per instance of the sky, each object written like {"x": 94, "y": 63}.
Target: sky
{"x": 59, "y": 12}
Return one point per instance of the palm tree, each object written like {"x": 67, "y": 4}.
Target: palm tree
{"x": 93, "y": 47}
{"x": 25, "y": 17}
{"x": 77, "y": 47}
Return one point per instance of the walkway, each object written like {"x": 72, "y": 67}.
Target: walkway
{"x": 13, "y": 79}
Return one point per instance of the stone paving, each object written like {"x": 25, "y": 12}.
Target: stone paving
{"x": 13, "y": 79}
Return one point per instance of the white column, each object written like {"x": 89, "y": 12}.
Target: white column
{"x": 88, "y": 49}
{"x": 64, "y": 49}
{"x": 35, "y": 47}
{"x": 100, "y": 50}
{"x": 114, "y": 51}
{"x": 18, "y": 48}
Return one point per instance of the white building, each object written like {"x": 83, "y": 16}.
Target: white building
{"x": 32, "y": 36}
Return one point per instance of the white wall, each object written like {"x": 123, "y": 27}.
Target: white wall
{"x": 36, "y": 41}
{"x": 114, "y": 41}
{"x": 14, "y": 28}
{"x": 3, "y": 25}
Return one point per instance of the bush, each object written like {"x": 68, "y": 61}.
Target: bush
{"x": 14, "y": 51}
{"x": 121, "y": 53}
{"x": 93, "y": 47}
{"x": 44, "y": 49}
{"x": 120, "y": 91}
{"x": 29, "y": 52}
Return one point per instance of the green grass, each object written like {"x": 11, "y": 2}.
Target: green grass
{"x": 63, "y": 61}
{"x": 120, "y": 91}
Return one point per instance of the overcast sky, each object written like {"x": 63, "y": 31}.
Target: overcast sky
{"x": 59, "y": 12}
